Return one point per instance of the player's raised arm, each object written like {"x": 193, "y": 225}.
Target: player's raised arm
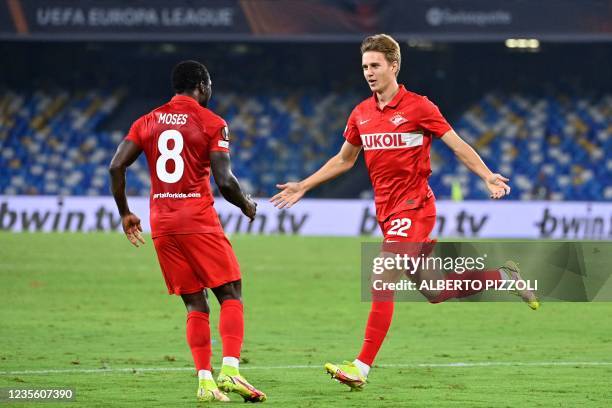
{"x": 292, "y": 192}
{"x": 126, "y": 154}
{"x": 496, "y": 183}
{"x": 229, "y": 187}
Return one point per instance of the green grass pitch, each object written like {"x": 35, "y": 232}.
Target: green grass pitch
{"x": 78, "y": 302}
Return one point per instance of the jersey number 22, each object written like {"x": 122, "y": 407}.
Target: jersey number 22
{"x": 399, "y": 227}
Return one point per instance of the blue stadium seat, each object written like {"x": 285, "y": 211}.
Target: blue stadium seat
{"x": 551, "y": 146}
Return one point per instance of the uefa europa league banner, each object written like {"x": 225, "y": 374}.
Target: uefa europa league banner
{"x": 468, "y": 219}
{"x": 320, "y": 20}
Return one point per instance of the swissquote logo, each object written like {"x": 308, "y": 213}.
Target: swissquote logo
{"x": 381, "y": 141}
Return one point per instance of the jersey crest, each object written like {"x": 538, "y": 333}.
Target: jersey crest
{"x": 398, "y": 119}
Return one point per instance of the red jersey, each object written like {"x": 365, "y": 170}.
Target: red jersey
{"x": 396, "y": 142}
{"x": 177, "y": 139}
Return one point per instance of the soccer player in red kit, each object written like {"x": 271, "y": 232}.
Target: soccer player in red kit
{"x": 183, "y": 141}
{"x": 395, "y": 128}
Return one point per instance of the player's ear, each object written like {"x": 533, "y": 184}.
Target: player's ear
{"x": 205, "y": 92}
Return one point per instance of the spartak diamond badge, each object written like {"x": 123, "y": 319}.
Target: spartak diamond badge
{"x": 398, "y": 119}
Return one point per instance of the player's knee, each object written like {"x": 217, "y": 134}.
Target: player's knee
{"x": 197, "y": 307}
{"x": 229, "y": 291}
{"x": 196, "y": 302}
{"x": 229, "y": 296}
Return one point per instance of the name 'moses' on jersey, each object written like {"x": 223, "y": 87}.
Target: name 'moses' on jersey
{"x": 173, "y": 118}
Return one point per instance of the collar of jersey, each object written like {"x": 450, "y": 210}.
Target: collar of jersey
{"x": 396, "y": 99}
{"x": 183, "y": 98}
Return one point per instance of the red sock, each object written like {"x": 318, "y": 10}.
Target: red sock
{"x": 379, "y": 321}
{"x": 482, "y": 276}
{"x": 231, "y": 327}
{"x": 198, "y": 338}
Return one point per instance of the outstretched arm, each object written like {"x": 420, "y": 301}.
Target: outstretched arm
{"x": 126, "y": 154}
{"x": 229, "y": 187}
{"x": 292, "y": 192}
{"x": 496, "y": 183}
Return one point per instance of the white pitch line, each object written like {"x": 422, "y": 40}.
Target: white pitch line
{"x": 292, "y": 367}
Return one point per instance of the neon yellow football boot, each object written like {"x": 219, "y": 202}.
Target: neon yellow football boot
{"x": 209, "y": 392}
{"x": 230, "y": 380}
{"x": 512, "y": 271}
{"x": 347, "y": 373}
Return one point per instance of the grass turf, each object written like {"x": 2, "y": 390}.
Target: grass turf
{"x": 91, "y": 301}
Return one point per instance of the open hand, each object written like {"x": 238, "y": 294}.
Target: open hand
{"x": 496, "y": 184}
{"x": 290, "y": 194}
{"x": 132, "y": 229}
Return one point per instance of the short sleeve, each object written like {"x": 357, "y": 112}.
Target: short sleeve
{"x": 220, "y": 139}
{"x": 134, "y": 135}
{"x": 432, "y": 120}
{"x": 351, "y": 133}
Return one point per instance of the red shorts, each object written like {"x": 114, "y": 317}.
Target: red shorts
{"x": 414, "y": 225}
{"x": 192, "y": 262}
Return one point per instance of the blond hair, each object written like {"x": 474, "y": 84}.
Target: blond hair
{"x": 385, "y": 44}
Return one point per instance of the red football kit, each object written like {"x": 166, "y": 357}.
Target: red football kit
{"x": 192, "y": 249}
{"x": 396, "y": 142}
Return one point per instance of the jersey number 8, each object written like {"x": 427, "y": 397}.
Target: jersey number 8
{"x": 173, "y": 154}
